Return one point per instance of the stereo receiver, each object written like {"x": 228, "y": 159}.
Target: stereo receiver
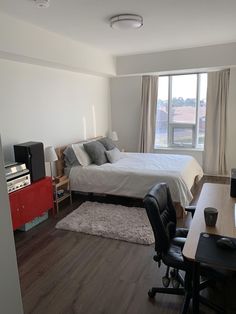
{"x": 17, "y": 176}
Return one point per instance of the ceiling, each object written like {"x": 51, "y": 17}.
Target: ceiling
{"x": 168, "y": 24}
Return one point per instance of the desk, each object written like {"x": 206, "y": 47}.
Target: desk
{"x": 212, "y": 195}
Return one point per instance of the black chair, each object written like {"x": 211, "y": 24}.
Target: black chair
{"x": 169, "y": 242}
{"x": 190, "y": 209}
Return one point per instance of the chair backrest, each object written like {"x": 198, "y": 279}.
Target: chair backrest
{"x": 162, "y": 215}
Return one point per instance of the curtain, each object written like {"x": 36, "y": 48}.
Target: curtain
{"x": 214, "y": 159}
{"x": 148, "y": 114}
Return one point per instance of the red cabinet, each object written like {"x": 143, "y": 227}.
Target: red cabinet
{"x": 31, "y": 202}
{"x": 15, "y": 210}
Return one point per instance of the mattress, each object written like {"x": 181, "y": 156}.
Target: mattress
{"x": 134, "y": 174}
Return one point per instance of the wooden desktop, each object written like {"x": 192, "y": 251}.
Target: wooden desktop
{"x": 212, "y": 195}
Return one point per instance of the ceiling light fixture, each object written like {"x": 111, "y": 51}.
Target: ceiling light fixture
{"x": 126, "y": 21}
{"x": 42, "y": 4}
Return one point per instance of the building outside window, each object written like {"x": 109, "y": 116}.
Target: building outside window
{"x": 181, "y": 111}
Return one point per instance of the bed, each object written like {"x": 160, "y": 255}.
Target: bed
{"x": 134, "y": 174}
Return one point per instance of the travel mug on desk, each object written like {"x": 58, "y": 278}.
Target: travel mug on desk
{"x": 210, "y": 214}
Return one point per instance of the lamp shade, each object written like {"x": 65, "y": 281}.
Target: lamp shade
{"x": 114, "y": 136}
{"x": 50, "y": 154}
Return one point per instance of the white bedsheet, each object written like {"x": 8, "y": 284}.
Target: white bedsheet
{"x": 135, "y": 173}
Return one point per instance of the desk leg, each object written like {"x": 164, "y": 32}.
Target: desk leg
{"x": 196, "y": 280}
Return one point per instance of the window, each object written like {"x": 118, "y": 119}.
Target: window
{"x": 181, "y": 111}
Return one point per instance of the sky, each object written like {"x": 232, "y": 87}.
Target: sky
{"x": 182, "y": 86}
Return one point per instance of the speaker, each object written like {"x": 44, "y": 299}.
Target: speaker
{"x": 32, "y": 154}
{"x": 233, "y": 183}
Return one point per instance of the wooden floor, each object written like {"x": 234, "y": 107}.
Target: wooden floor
{"x": 64, "y": 272}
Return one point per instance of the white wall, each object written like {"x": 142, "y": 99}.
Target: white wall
{"x": 130, "y": 68}
{"x": 125, "y": 112}
{"x": 10, "y": 296}
{"x": 178, "y": 60}
{"x": 25, "y": 42}
{"x": 49, "y": 105}
{"x": 126, "y": 96}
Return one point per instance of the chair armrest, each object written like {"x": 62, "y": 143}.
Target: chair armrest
{"x": 178, "y": 241}
{"x": 190, "y": 209}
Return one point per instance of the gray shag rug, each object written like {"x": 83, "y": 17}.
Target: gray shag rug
{"x": 110, "y": 221}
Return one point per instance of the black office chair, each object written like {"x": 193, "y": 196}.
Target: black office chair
{"x": 169, "y": 242}
{"x": 191, "y": 209}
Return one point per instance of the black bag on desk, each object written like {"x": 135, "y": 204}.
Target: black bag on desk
{"x": 223, "y": 260}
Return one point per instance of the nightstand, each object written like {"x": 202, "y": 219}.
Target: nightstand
{"x": 62, "y": 185}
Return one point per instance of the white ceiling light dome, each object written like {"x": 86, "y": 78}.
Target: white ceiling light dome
{"x": 42, "y": 4}
{"x": 126, "y": 21}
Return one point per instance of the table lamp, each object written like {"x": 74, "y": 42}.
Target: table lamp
{"x": 114, "y": 136}
{"x": 50, "y": 156}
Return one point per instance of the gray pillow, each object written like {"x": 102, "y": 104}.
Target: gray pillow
{"x": 96, "y": 152}
{"x": 113, "y": 155}
{"x": 107, "y": 143}
{"x": 70, "y": 157}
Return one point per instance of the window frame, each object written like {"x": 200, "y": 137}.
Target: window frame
{"x": 190, "y": 126}
{"x": 173, "y": 125}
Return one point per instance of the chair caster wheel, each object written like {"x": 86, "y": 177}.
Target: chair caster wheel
{"x": 165, "y": 281}
{"x": 151, "y": 294}
{"x": 175, "y": 283}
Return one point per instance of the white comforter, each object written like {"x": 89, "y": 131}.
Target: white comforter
{"x": 135, "y": 173}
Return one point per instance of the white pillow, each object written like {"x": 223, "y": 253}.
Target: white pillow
{"x": 113, "y": 155}
{"x": 81, "y": 155}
